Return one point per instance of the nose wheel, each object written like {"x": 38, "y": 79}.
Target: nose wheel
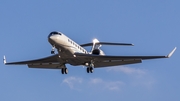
{"x": 53, "y": 50}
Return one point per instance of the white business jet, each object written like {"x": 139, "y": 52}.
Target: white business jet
{"x": 69, "y": 52}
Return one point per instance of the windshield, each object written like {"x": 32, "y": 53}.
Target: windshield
{"x": 54, "y": 33}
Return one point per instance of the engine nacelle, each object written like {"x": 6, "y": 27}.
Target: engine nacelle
{"x": 98, "y": 52}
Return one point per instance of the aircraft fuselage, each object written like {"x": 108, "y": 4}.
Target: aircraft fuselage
{"x": 65, "y": 47}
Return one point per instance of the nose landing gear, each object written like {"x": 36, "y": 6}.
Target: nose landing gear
{"x": 53, "y": 50}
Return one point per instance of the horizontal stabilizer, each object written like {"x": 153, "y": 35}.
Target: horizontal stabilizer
{"x": 107, "y": 43}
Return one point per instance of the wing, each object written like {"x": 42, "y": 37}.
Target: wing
{"x": 51, "y": 62}
{"x": 103, "y": 61}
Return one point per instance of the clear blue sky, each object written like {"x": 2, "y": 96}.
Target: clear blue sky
{"x": 152, "y": 25}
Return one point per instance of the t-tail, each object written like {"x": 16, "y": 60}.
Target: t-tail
{"x": 96, "y": 46}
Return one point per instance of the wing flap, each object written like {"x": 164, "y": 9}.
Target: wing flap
{"x": 45, "y": 66}
{"x": 107, "y": 63}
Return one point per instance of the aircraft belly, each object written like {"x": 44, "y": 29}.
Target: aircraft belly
{"x": 74, "y": 61}
{"x": 67, "y": 53}
{"x": 64, "y": 51}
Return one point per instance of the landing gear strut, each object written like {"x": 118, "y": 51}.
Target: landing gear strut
{"x": 90, "y": 68}
{"x": 53, "y": 50}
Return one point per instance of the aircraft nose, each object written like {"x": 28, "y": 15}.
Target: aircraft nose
{"x": 52, "y": 38}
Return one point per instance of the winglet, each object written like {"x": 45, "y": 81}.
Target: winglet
{"x": 4, "y": 59}
{"x": 170, "y": 54}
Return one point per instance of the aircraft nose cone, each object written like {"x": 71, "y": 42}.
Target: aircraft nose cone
{"x": 52, "y": 38}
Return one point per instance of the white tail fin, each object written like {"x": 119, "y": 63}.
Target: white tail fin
{"x": 95, "y": 46}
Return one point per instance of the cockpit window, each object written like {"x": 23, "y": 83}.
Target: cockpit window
{"x": 54, "y": 33}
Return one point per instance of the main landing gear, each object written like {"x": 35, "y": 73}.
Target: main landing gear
{"x": 90, "y": 68}
{"x": 64, "y": 71}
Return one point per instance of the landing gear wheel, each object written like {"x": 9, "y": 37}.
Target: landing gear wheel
{"x": 52, "y": 52}
{"x": 62, "y": 70}
{"x": 87, "y": 69}
{"x": 91, "y": 69}
{"x": 65, "y": 70}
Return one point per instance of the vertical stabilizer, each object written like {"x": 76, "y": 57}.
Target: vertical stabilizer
{"x": 95, "y": 46}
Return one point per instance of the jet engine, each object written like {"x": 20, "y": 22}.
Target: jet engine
{"x": 98, "y": 52}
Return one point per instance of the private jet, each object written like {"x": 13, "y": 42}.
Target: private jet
{"x": 69, "y": 52}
